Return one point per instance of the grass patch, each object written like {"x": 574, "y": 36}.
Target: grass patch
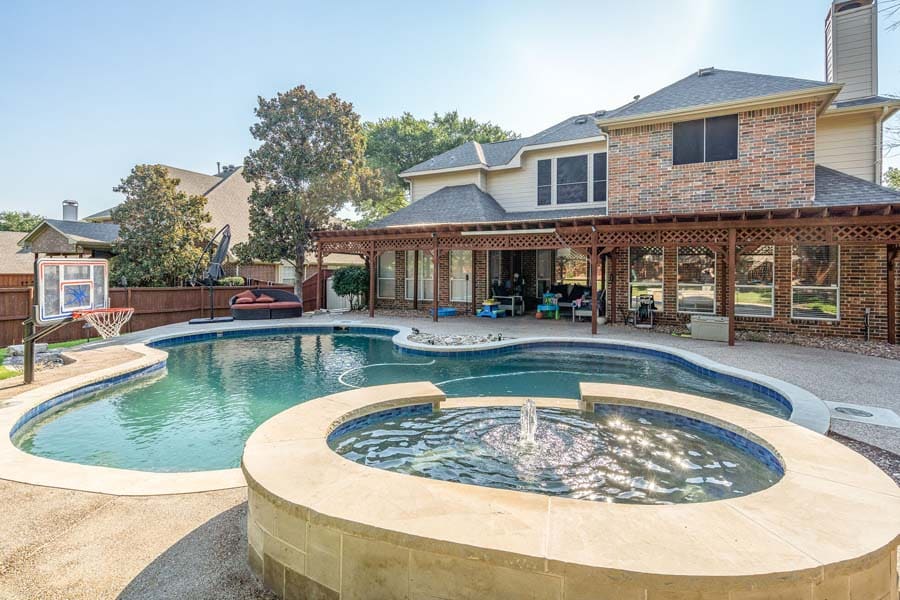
{"x": 70, "y": 343}
{"x": 5, "y": 372}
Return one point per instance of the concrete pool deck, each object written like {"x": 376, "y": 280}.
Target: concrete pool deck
{"x": 64, "y": 544}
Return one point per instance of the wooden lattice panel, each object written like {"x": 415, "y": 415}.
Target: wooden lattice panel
{"x": 404, "y": 244}
{"x": 344, "y": 247}
{"x": 784, "y": 235}
{"x": 623, "y": 239}
{"x": 692, "y": 237}
{"x": 887, "y": 233}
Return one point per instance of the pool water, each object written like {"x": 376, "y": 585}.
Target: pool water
{"x": 198, "y": 413}
{"x": 613, "y": 457}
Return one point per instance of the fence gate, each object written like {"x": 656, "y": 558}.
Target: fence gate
{"x": 332, "y": 300}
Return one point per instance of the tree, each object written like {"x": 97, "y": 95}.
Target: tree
{"x": 14, "y": 220}
{"x": 892, "y": 178}
{"x": 162, "y": 230}
{"x": 351, "y": 281}
{"x": 397, "y": 143}
{"x": 310, "y": 163}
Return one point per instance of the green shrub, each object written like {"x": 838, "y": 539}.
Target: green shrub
{"x": 352, "y": 282}
{"x": 230, "y": 281}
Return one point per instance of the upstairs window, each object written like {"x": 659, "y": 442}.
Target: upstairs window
{"x": 543, "y": 183}
{"x": 705, "y": 140}
{"x": 600, "y": 177}
{"x": 572, "y": 179}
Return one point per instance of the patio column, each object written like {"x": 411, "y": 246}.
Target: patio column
{"x": 892, "y": 253}
{"x": 372, "y": 266}
{"x": 415, "y": 279}
{"x": 593, "y": 281}
{"x": 730, "y": 282}
{"x": 318, "y": 277}
{"x": 611, "y": 295}
{"x": 435, "y": 260}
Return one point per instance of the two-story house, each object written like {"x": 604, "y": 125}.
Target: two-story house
{"x": 725, "y": 193}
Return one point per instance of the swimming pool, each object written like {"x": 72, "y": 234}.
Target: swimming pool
{"x": 198, "y": 413}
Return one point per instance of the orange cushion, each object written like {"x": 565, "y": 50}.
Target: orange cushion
{"x": 246, "y": 294}
{"x": 265, "y": 298}
{"x": 243, "y": 300}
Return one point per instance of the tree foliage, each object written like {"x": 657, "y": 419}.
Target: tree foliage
{"x": 352, "y": 281}
{"x": 397, "y": 143}
{"x": 310, "y": 163}
{"x": 162, "y": 230}
{"x": 14, "y": 220}
{"x": 892, "y": 178}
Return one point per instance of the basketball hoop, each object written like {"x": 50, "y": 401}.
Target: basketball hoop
{"x": 107, "y": 321}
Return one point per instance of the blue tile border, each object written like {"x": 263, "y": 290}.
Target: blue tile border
{"x": 357, "y": 423}
{"x": 81, "y": 392}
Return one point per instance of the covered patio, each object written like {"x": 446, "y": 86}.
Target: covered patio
{"x": 825, "y": 270}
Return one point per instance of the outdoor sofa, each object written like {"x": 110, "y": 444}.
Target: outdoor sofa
{"x": 265, "y": 304}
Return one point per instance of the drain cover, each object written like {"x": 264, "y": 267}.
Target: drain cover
{"x": 853, "y": 412}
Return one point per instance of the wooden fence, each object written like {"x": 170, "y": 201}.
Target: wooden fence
{"x": 308, "y": 291}
{"x": 16, "y": 280}
{"x": 152, "y": 307}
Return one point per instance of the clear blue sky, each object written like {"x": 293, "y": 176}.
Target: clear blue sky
{"x": 88, "y": 89}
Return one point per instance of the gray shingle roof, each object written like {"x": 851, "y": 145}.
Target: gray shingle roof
{"x": 834, "y": 188}
{"x": 14, "y": 260}
{"x": 468, "y": 204}
{"x": 500, "y": 153}
{"x": 714, "y": 87}
{"x": 80, "y": 231}
{"x": 453, "y": 204}
{"x": 864, "y": 101}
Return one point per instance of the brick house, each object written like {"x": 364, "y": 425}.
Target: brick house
{"x": 725, "y": 193}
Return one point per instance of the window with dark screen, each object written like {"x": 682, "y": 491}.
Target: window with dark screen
{"x": 543, "y": 182}
{"x": 600, "y": 177}
{"x": 705, "y": 140}
{"x": 571, "y": 179}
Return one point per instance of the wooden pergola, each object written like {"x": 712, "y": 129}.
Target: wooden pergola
{"x": 728, "y": 234}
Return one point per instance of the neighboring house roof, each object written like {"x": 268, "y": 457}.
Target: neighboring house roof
{"x": 713, "y": 86}
{"x": 87, "y": 235}
{"x": 226, "y": 199}
{"x": 14, "y": 259}
{"x": 500, "y": 153}
{"x": 834, "y": 188}
{"x": 467, "y": 204}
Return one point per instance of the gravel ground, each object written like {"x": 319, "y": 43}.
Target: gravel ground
{"x": 884, "y": 460}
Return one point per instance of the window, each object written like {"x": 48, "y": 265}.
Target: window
{"x": 705, "y": 140}
{"x": 645, "y": 266}
{"x": 572, "y": 266}
{"x": 426, "y": 275}
{"x": 815, "y": 287}
{"x": 387, "y": 275}
{"x": 571, "y": 179}
{"x": 460, "y": 275}
{"x": 543, "y": 184}
{"x": 600, "y": 177}
{"x": 696, "y": 281}
{"x": 544, "y": 271}
{"x": 754, "y": 293}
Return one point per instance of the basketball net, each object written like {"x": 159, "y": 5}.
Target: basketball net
{"x": 107, "y": 321}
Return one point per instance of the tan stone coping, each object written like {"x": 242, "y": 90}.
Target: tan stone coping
{"x": 832, "y": 514}
{"x": 17, "y": 465}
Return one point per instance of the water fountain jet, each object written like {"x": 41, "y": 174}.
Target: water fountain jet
{"x": 527, "y": 423}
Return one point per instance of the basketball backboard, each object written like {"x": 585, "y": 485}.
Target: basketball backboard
{"x": 69, "y": 285}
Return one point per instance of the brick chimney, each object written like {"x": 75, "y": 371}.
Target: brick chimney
{"x": 851, "y": 47}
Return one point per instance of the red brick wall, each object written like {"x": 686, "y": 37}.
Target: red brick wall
{"x": 775, "y": 167}
{"x": 863, "y": 284}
